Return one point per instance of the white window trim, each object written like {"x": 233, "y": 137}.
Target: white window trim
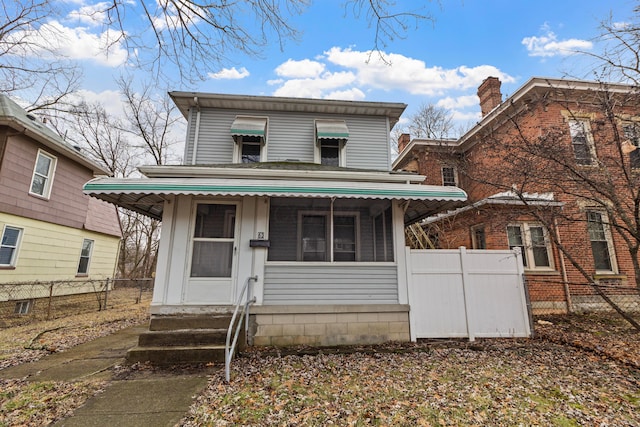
{"x": 609, "y": 237}
{"x": 14, "y": 259}
{"x": 89, "y": 257}
{"x": 586, "y": 123}
{"x": 342, "y": 153}
{"x": 329, "y": 238}
{"x": 237, "y": 150}
{"x": 23, "y": 307}
{"x": 455, "y": 174}
{"x": 52, "y": 169}
{"x": 528, "y": 247}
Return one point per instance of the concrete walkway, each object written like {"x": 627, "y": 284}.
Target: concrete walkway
{"x": 143, "y": 398}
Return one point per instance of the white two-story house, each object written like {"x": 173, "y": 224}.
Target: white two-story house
{"x": 296, "y": 194}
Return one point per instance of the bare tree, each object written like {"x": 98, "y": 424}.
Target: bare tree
{"x": 29, "y": 63}
{"x": 431, "y": 122}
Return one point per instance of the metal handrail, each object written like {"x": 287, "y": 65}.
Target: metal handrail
{"x": 230, "y": 346}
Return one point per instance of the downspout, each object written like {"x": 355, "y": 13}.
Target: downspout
{"x": 565, "y": 279}
{"x": 197, "y": 132}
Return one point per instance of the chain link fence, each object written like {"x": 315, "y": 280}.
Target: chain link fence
{"x": 554, "y": 296}
{"x": 24, "y": 302}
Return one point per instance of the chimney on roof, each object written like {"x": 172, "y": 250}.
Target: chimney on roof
{"x": 403, "y": 140}
{"x": 489, "y": 94}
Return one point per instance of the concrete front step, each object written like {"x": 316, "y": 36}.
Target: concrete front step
{"x": 175, "y": 322}
{"x": 176, "y": 355}
{"x": 182, "y": 337}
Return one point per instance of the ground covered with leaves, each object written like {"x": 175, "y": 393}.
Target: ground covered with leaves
{"x": 25, "y": 403}
{"x": 580, "y": 370}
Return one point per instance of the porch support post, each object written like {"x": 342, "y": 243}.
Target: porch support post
{"x": 399, "y": 251}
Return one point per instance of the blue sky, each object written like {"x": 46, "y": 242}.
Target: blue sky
{"x": 441, "y": 62}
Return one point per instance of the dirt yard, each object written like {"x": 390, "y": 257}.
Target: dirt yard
{"x": 578, "y": 370}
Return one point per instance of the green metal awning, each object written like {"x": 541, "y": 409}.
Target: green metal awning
{"x": 147, "y": 195}
{"x": 331, "y": 129}
{"x": 249, "y": 126}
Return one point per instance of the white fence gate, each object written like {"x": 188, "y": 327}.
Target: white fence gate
{"x": 467, "y": 293}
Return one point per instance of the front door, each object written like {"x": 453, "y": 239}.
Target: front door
{"x": 212, "y": 266}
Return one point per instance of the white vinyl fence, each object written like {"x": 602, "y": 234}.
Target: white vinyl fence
{"x": 467, "y": 294}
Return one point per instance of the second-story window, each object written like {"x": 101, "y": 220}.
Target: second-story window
{"x": 331, "y": 140}
{"x": 43, "y": 175}
{"x": 250, "y": 148}
{"x": 249, "y": 134}
{"x": 582, "y": 141}
{"x": 449, "y": 176}
{"x": 631, "y": 132}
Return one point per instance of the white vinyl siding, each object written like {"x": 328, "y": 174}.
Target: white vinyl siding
{"x": 330, "y": 284}
{"x": 291, "y": 137}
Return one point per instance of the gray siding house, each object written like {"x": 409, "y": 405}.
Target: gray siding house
{"x": 295, "y": 198}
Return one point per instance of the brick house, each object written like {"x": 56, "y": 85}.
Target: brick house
{"x": 555, "y": 164}
{"x": 50, "y": 230}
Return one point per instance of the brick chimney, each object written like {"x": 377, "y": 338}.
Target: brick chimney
{"x": 403, "y": 140}
{"x": 489, "y": 94}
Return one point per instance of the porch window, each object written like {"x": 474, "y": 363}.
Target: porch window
{"x": 213, "y": 239}
{"x": 317, "y": 230}
{"x": 533, "y": 243}
{"x": 601, "y": 242}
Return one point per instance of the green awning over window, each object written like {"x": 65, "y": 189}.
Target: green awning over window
{"x": 249, "y": 126}
{"x": 331, "y": 129}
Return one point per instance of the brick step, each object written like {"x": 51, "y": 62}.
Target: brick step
{"x": 168, "y": 323}
{"x": 176, "y": 355}
{"x": 183, "y": 337}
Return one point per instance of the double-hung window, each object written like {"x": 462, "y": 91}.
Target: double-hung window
{"x": 42, "y": 177}
{"x": 631, "y": 132}
{"x": 449, "y": 176}
{"x": 9, "y": 246}
{"x": 582, "y": 141}
{"x": 85, "y": 257}
{"x": 601, "y": 242}
{"x": 478, "y": 237}
{"x": 533, "y": 243}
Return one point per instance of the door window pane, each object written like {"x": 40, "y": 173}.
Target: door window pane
{"x": 212, "y": 259}
{"x": 215, "y": 221}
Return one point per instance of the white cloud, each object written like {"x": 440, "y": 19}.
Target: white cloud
{"x": 315, "y": 87}
{"x": 353, "y": 94}
{"x": 365, "y": 70}
{"x": 300, "y": 69}
{"x": 548, "y": 45}
{"x": 459, "y": 102}
{"x": 230, "y": 74}
{"x": 409, "y": 74}
{"x": 466, "y": 116}
{"x": 71, "y": 43}
{"x": 94, "y": 14}
{"x": 111, "y": 100}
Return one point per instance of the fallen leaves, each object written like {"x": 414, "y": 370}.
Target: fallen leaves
{"x": 433, "y": 383}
